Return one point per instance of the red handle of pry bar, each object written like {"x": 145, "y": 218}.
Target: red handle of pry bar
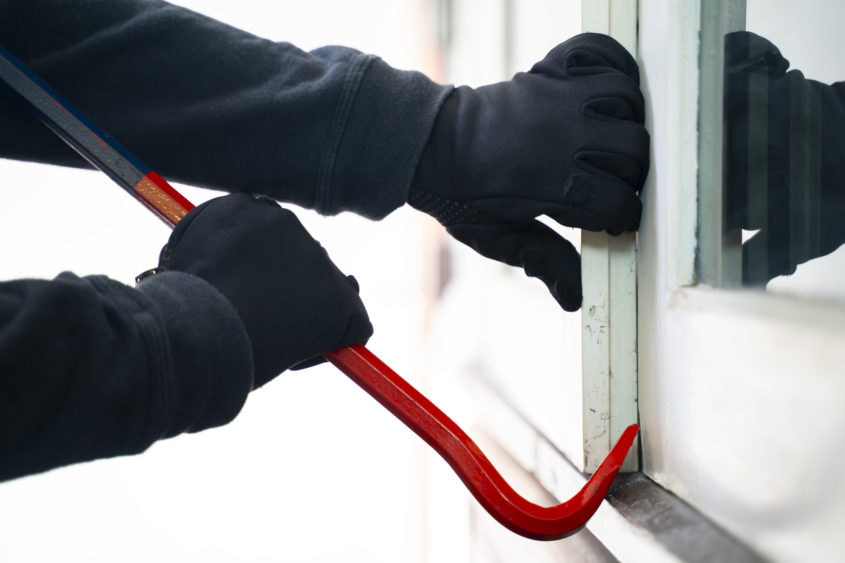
{"x": 361, "y": 365}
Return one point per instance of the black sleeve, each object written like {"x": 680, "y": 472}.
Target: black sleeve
{"x": 91, "y": 368}
{"x": 206, "y": 104}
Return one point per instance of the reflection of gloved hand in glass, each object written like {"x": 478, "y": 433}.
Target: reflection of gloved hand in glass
{"x": 784, "y": 169}
{"x": 294, "y": 302}
{"x": 565, "y": 139}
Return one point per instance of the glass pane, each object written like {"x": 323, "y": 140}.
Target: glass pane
{"x": 783, "y": 142}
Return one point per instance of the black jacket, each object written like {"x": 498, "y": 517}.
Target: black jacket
{"x": 91, "y": 368}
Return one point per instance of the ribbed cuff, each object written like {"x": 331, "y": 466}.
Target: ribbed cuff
{"x": 383, "y": 121}
{"x": 212, "y": 355}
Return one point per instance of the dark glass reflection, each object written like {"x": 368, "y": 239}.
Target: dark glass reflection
{"x": 784, "y": 161}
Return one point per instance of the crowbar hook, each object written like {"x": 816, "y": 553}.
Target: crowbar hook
{"x": 357, "y": 362}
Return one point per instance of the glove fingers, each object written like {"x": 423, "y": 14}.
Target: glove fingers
{"x": 592, "y": 200}
{"x": 614, "y": 167}
{"x": 619, "y": 106}
{"x": 352, "y": 327}
{"x": 614, "y": 139}
{"x": 596, "y": 203}
{"x": 357, "y": 329}
{"x": 536, "y": 248}
{"x": 613, "y": 95}
{"x": 586, "y": 54}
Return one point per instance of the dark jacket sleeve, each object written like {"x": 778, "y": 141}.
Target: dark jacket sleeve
{"x": 91, "y": 368}
{"x": 206, "y": 104}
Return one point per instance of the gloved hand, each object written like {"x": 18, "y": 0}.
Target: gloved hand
{"x": 565, "y": 139}
{"x": 293, "y": 301}
{"x": 784, "y": 171}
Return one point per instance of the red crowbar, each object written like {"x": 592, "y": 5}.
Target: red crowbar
{"x": 361, "y": 365}
{"x": 472, "y": 466}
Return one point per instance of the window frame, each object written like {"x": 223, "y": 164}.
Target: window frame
{"x": 736, "y": 389}
{"x": 736, "y": 386}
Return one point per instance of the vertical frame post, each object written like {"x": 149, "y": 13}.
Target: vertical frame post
{"x": 609, "y": 310}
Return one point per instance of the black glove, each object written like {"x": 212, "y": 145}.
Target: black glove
{"x": 564, "y": 140}
{"x": 784, "y": 169}
{"x": 293, "y": 301}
